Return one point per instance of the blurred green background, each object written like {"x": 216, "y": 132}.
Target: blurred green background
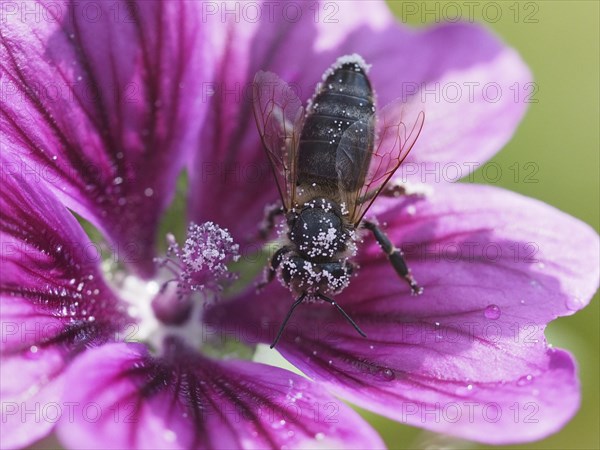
{"x": 559, "y": 40}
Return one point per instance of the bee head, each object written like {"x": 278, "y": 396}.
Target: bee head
{"x": 326, "y": 278}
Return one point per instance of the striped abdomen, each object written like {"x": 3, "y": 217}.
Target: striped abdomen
{"x": 343, "y": 98}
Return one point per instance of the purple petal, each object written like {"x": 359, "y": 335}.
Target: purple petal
{"x": 188, "y": 401}
{"x": 54, "y": 303}
{"x": 100, "y": 101}
{"x": 496, "y": 268}
{"x": 230, "y": 179}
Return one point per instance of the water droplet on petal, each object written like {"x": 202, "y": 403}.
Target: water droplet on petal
{"x": 465, "y": 390}
{"x": 524, "y": 380}
{"x": 492, "y": 312}
{"x": 574, "y": 303}
{"x": 319, "y": 436}
{"x": 387, "y": 374}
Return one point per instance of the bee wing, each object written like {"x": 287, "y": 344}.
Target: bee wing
{"x": 279, "y": 117}
{"x": 384, "y": 143}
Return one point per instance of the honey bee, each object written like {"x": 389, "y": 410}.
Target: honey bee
{"x": 330, "y": 162}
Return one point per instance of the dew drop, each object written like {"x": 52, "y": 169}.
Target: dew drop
{"x": 573, "y": 303}
{"x": 319, "y": 436}
{"x": 464, "y": 390}
{"x": 33, "y": 349}
{"x": 387, "y": 374}
{"x": 492, "y": 312}
{"x": 524, "y": 380}
{"x": 148, "y": 192}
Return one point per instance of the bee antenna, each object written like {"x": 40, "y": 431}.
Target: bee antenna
{"x": 339, "y": 308}
{"x": 289, "y": 314}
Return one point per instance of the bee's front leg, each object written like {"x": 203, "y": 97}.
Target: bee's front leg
{"x": 395, "y": 256}
{"x": 268, "y": 222}
{"x": 273, "y": 266}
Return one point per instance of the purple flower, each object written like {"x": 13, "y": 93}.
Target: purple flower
{"x": 104, "y": 104}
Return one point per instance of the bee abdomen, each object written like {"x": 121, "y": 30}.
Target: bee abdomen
{"x": 344, "y": 97}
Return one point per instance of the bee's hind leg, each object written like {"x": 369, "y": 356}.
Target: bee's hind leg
{"x": 395, "y": 256}
{"x": 397, "y": 188}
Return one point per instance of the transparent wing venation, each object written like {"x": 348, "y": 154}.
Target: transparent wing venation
{"x": 279, "y": 117}
{"x": 397, "y": 127}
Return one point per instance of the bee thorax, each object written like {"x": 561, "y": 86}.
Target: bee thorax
{"x": 300, "y": 275}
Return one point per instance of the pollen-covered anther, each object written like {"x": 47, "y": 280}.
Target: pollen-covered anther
{"x": 202, "y": 262}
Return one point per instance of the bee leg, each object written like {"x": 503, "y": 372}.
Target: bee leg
{"x": 273, "y": 265}
{"x": 404, "y": 188}
{"x": 339, "y": 308}
{"x": 287, "y": 317}
{"x": 268, "y": 222}
{"x": 395, "y": 256}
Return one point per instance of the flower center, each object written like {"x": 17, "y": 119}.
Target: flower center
{"x": 189, "y": 278}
